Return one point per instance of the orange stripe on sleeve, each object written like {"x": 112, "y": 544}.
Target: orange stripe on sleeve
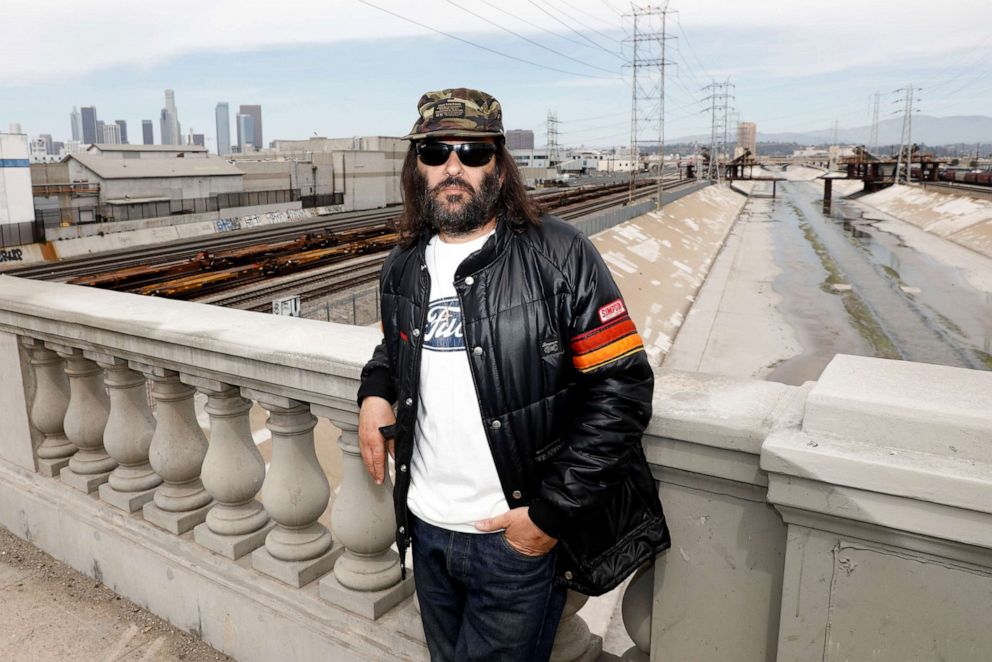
{"x": 615, "y": 350}
{"x": 602, "y": 336}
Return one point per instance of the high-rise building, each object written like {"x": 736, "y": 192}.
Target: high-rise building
{"x": 76, "y": 124}
{"x": 88, "y": 118}
{"x": 246, "y": 132}
{"x": 100, "y": 130}
{"x": 747, "y": 136}
{"x": 123, "y": 127}
{"x": 111, "y": 134}
{"x": 223, "y": 114}
{"x": 256, "y": 116}
{"x": 198, "y": 139}
{"x": 147, "y": 132}
{"x": 49, "y": 143}
{"x": 172, "y": 133}
{"x": 520, "y": 139}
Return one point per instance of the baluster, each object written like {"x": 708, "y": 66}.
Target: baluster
{"x": 51, "y": 399}
{"x": 176, "y": 453}
{"x": 85, "y": 419}
{"x": 638, "y": 599}
{"x": 366, "y": 578}
{"x": 127, "y": 435}
{"x": 232, "y": 473}
{"x": 295, "y": 492}
{"x": 573, "y": 641}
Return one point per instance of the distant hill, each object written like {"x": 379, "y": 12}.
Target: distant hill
{"x": 968, "y": 129}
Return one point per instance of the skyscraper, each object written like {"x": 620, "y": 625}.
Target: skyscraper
{"x": 88, "y": 118}
{"x": 49, "y": 144}
{"x": 111, "y": 134}
{"x": 76, "y": 122}
{"x": 172, "y": 133}
{"x": 520, "y": 139}
{"x": 147, "y": 132}
{"x": 100, "y": 126}
{"x": 123, "y": 127}
{"x": 223, "y": 114}
{"x": 246, "y": 132}
{"x": 256, "y": 115}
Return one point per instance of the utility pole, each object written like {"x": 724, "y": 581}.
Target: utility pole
{"x": 554, "y": 157}
{"x": 873, "y": 135}
{"x": 906, "y": 137}
{"x": 719, "y": 99}
{"x": 647, "y": 103}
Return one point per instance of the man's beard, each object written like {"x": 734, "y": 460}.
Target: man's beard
{"x": 466, "y": 216}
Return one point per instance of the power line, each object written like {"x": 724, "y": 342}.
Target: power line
{"x": 587, "y": 27}
{"x": 529, "y": 40}
{"x": 485, "y": 48}
{"x": 559, "y": 21}
{"x": 538, "y": 27}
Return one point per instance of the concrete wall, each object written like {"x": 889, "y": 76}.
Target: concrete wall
{"x": 360, "y": 176}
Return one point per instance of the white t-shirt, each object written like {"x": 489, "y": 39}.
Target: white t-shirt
{"x": 453, "y": 479}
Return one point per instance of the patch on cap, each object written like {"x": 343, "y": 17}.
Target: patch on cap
{"x": 449, "y": 109}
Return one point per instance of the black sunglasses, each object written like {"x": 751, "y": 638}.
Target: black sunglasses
{"x": 472, "y": 155}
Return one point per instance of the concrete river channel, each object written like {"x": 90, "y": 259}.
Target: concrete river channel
{"x": 849, "y": 287}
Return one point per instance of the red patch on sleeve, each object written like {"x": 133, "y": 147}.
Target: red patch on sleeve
{"x": 404, "y": 337}
{"x": 612, "y": 310}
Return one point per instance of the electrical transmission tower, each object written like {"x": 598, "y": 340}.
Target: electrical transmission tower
{"x": 906, "y": 137}
{"x": 873, "y": 135}
{"x": 647, "y": 104}
{"x": 720, "y": 104}
{"x": 554, "y": 152}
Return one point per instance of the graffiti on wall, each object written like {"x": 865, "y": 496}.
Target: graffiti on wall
{"x": 11, "y": 255}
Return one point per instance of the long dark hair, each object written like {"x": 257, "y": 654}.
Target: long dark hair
{"x": 519, "y": 210}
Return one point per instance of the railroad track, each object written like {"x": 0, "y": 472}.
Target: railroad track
{"x": 324, "y": 281}
{"x": 979, "y": 190}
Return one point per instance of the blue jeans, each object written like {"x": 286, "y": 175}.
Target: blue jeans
{"x": 480, "y": 599}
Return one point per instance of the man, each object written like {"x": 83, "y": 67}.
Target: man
{"x": 522, "y": 390}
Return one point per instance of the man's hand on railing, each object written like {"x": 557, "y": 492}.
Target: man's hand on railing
{"x": 376, "y": 413}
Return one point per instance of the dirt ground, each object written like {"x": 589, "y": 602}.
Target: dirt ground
{"x": 52, "y": 612}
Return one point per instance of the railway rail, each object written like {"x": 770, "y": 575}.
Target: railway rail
{"x": 255, "y": 264}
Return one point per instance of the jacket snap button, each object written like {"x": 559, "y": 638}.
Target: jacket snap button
{"x": 402, "y": 468}
{"x": 402, "y": 530}
{"x": 416, "y": 332}
{"x": 517, "y": 494}
{"x": 495, "y": 425}
{"x": 477, "y": 351}
{"x": 469, "y": 280}
{"x": 409, "y": 401}
{"x": 568, "y": 575}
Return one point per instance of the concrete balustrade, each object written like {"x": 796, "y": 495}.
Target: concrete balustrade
{"x": 847, "y": 519}
{"x": 176, "y": 453}
{"x": 127, "y": 435}
{"x": 299, "y": 549}
{"x": 48, "y": 407}
{"x": 366, "y": 577}
{"x": 85, "y": 420}
{"x": 232, "y": 473}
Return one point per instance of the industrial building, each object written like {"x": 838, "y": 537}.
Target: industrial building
{"x": 16, "y": 206}
{"x": 747, "y": 137}
{"x": 519, "y": 139}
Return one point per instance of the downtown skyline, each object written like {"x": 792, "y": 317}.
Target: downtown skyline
{"x": 354, "y": 69}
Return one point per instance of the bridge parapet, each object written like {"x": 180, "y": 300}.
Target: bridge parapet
{"x": 798, "y": 514}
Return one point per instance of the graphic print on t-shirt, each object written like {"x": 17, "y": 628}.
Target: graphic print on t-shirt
{"x": 443, "y": 329}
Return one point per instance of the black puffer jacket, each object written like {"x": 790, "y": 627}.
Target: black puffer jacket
{"x": 564, "y": 388}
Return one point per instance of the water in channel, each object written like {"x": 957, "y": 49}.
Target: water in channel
{"x": 848, "y": 287}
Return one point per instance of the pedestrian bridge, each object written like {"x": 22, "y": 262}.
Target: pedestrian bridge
{"x": 846, "y": 519}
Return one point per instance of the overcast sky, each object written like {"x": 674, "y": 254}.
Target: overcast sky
{"x": 346, "y": 67}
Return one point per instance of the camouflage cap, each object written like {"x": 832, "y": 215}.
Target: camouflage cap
{"x": 457, "y": 112}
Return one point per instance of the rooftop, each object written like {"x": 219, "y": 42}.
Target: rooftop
{"x": 145, "y": 148}
{"x": 210, "y": 166}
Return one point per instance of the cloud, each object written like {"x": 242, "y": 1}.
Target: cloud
{"x": 45, "y": 40}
